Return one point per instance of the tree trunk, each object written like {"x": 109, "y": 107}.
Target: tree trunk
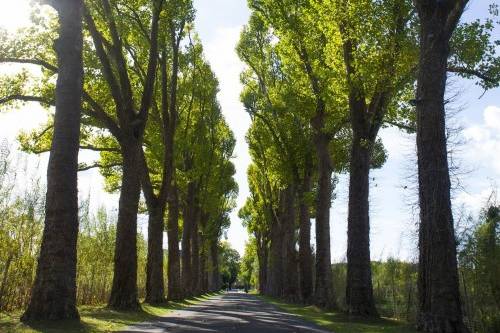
{"x": 359, "y": 289}
{"x": 439, "y": 298}
{"x": 305, "y": 254}
{"x": 214, "y": 280}
{"x": 202, "y": 285}
{"x": 275, "y": 281}
{"x": 290, "y": 279}
{"x": 263, "y": 276}
{"x": 124, "y": 289}
{"x": 323, "y": 296}
{"x": 155, "y": 289}
{"x": 174, "y": 265}
{"x": 195, "y": 252}
{"x": 54, "y": 291}
{"x": 195, "y": 258}
{"x": 187, "y": 232}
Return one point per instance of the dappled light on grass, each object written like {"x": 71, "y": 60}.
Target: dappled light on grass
{"x": 341, "y": 323}
{"x": 98, "y": 318}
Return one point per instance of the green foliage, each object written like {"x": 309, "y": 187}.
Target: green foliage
{"x": 20, "y": 230}
{"x": 394, "y": 287}
{"x": 229, "y": 265}
{"x": 96, "y": 244}
{"x": 474, "y": 51}
{"x": 479, "y": 268}
{"x": 248, "y": 276}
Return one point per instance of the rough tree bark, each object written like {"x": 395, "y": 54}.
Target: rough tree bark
{"x": 54, "y": 291}
{"x": 203, "y": 277}
{"x": 275, "y": 278}
{"x": 290, "y": 279}
{"x": 439, "y": 298}
{"x": 263, "y": 255}
{"x": 214, "y": 280}
{"x": 155, "y": 288}
{"x": 174, "y": 267}
{"x": 323, "y": 295}
{"x": 124, "y": 288}
{"x": 305, "y": 253}
{"x": 359, "y": 289}
{"x": 187, "y": 231}
{"x": 195, "y": 251}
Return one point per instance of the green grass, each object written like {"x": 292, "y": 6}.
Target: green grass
{"x": 340, "y": 323}
{"x": 96, "y": 318}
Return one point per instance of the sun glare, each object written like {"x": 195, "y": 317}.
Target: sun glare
{"x": 14, "y": 14}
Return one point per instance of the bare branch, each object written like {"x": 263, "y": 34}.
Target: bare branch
{"x": 471, "y": 71}
{"x": 401, "y": 126}
{"x": 38, "y": 62}
{"x": 100, "y": 149}
{"x": 83, "y": 167}
{"x": 103, "y": 57}
{"x": 27, "y": 98}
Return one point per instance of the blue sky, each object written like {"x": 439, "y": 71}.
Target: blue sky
{"x": 219, "y": 23}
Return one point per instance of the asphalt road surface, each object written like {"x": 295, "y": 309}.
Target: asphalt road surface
{"x": 230, "y": 312}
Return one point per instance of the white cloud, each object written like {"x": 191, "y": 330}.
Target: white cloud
{"x": 476, "y": 133}
{"x": 483, "y": 142}
{"x": 397, "y": 143}
{"x": 482, "y": 152}
{"x": 492, "y": 117}
{"x": 474, "y": 201}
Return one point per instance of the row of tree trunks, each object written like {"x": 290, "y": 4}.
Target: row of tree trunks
{"x": 62, "y": 196}
{"x": 280, "y": 274}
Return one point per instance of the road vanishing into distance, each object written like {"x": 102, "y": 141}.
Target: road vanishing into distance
{"x": 229, "y": 312}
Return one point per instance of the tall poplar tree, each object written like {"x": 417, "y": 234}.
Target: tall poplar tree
{"x": 54, "y": 291}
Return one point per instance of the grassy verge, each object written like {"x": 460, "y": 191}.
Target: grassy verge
{"x": 339, "y": 322}
{"x": 96, "y": 318}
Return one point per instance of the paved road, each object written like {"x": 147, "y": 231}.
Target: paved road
{"x": 231, "y": 312}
